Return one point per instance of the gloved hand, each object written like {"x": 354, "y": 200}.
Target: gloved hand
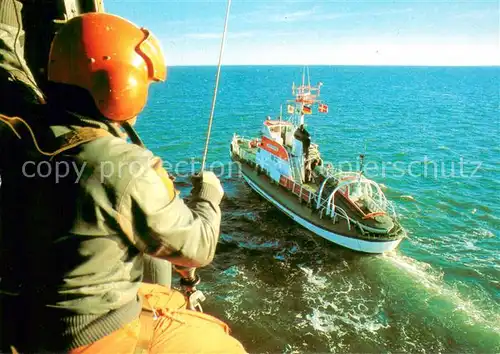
{"x": 207, "y": 186}
{"x": 186, "y": 273}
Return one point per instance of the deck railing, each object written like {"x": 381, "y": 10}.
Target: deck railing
{"x": 241, "y": 153}
{"x": 324, "y": 205}
{"x": 314, "y": 199}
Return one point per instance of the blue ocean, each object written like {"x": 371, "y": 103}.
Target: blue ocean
{"x": 430, "y": 135}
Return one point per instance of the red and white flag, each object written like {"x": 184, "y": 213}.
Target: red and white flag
{"x": 323, "y": 108}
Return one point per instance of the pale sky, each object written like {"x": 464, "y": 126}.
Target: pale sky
{"x": 353, "y": 32}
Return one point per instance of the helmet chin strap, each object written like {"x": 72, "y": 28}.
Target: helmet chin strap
{"x": 132, "y": 134}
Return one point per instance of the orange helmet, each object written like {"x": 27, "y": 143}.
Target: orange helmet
{"x": 110, "y": 57}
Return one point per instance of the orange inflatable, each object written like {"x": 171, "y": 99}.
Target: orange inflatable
{"x": 166, "y": 326}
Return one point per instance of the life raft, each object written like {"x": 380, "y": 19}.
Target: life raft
{"x": 165, "y": 326}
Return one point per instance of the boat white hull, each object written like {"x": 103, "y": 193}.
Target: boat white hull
{"x": 348, "y": 242}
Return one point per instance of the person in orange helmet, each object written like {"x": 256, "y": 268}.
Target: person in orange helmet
{"x": 81, "y": 207}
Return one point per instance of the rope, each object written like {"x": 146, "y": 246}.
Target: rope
{"x": 205, "y": 152}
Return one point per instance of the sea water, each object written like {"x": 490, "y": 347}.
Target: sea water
{"x": 430, "y": 135}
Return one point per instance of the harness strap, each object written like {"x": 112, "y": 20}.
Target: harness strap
{"x": 166, "y": 178}
{"x": 146, "y": 318}
{"x": 80, "y": 136}
{"x": 145, "y": 333}
{"x": 22, "y": 130}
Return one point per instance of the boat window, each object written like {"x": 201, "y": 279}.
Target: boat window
{"x": 272, "y": 147}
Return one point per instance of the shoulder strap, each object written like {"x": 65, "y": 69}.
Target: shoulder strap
{"x": 146, "y": 332}
{"x": 23, "y": 131}
{"x": 166, "y": 178}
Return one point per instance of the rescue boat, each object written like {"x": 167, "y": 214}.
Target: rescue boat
{"x": 285, "y": 167}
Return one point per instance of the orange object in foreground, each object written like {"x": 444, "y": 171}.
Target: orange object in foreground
{"x": 174, "y": 330}
{"x": 111, "y": 58}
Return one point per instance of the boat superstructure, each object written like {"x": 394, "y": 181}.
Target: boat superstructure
{"x": 284, "y": 166}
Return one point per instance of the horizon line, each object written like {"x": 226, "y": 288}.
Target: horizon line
{"x": 357, "y": 65}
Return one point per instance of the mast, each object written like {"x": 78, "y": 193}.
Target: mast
{"x": 303, "y": 76}
{"x": 305, "y": 97}
{"x": 301, "y": 119}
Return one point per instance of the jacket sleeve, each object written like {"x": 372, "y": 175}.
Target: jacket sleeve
{"x": 165, "y": 226}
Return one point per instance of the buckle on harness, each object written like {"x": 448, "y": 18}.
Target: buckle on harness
{"x": 189, "y": 280}
{"x": 194, "y": 296}
{"x": 195, "y": 299}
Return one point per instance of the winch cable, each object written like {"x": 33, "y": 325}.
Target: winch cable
{"x": 189, "y": 278}
{"x": 214, "y": 98}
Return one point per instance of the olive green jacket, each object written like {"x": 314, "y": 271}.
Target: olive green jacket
{"x": 74, "y": 228}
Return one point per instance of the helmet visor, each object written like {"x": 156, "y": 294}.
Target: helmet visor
{"x": 150, "y": 50}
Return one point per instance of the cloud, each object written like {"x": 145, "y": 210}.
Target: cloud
{"x": 203, "y": 35}
{"x": 293, "y": 16}
{"x": 274, "y": 14}
{"x": 239, "y": 35}
{"x": 390, "y": 12}
{"x": 333, "y": 15}
{"x": 315, "y": 13}
{"x": 218, "y": 35}
{"x": 274, "y": 34}
{"x": 364, "y": 51}
{"x": 476, "y": 15}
